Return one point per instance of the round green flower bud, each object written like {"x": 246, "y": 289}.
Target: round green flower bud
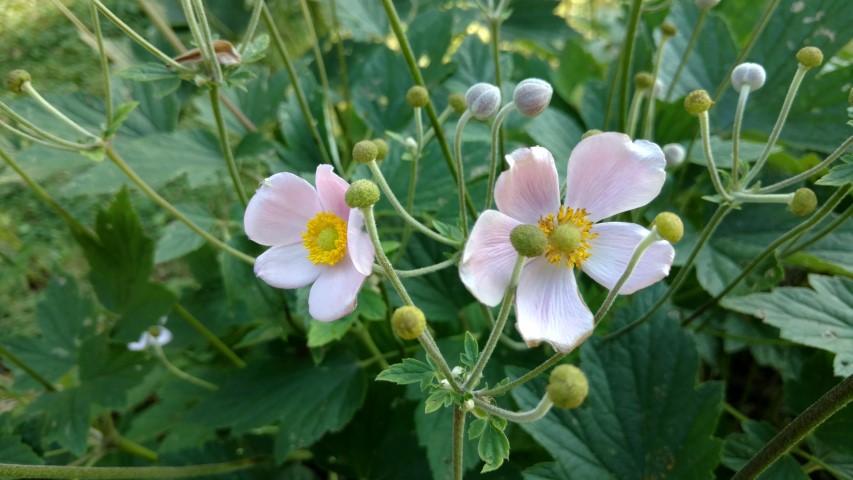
{"x": 457, "y": 103}
{"x": 365, "y": 151}
{"x": 803, "y": 202}
{"x": 590, "y": 133}
{"x": 417, "y": 96}
{"x": 528, "y": 240}
{"x": 362, "y": 194}
{"x": 669, "y": 226}
{"x": 532, "y": 96}
{"x": 568, "y": 386}
{"x": 16, "y": 79}
{"x": 483, "y": 100}
{"x": 668, "y": 29}
{"x": 644, "y": 80}
{"x": 697, "y": 102}
{"x": 381, "y": 148}
{"x": 408, "y": 322}
{"x": 810, "y": 57}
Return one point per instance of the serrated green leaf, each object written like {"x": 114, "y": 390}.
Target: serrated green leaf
{"x": 819, "y": 318}
{"x": 477, "y": 427}
{"x": 178, "y": 240}
{"x": 148, "y": 72}
{"x": 471, "y": 353}
{"x": 645, "y": 417}
{"x": 371, "y": 306}
{"x": 96, "y": 155}
{"x": 740, "y": 447}
{"x": 256, "y": 49}
{"x": 839, "y": 175}
{"x": 493, "y": 447}
{"x": 410, "y": 371}
{"x": 437, "y": 399}
{"x": 322, "y": 333}
{"x": 119, "y": 116}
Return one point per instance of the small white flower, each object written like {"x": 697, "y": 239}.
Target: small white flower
{"x": 162, "y": 337}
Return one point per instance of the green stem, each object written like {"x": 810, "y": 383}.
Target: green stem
{"x": 839, "y": 220}
{"x": 694, "y": 37}
{"x": 364, "y": 334}
{"x": 207, "y": 37}
{"x": 458, "y": 442}
{"x": 649, "y": 125}
{"x": 780, "y": 122}
{"x": 460, "y": 169}
{"x": 498, "y": 327}
{"x": 745, "y": 197}
{"x": 794, "y": 433}
{"x": 627, "y": 54}
{"x": 634, "y": 111}
{"x": 417, "y": 272}
{"x": 44, "y": 133}
{"x": 202, "y": 40}
{"x": 709, "y": 157}
{"x": 706, "y": 234}
{"x": 280, "y": 46}
{"x": 541, "y": 409}
{"x": 808, "y": 173}
{"x": 213, "y": 339}
{"x": 495, "y": 37}
{"x": 741, "y": 107}
{"x": 158, "y": 350}
{"x": 415, "y": 72}
{"x": 225, "y": 145}
{"x": 380, "y": 179}
{"x": 253, "y": 26}
{"x": 162, "y": 25}
{"x": 105, "y": 63}
{"x": 413, "y": 180}
{"x": 115, "y": 439}
{"x": 825, "y": 210}
{"x": 495, "y": 151}
{"x": 61, "y": 471}
{"x": 163, "y": 203}
{"x": 445, "y": 114}
{"x": 26, "y": 368}
{"x": 31, "y": 91}
{"x": 35, "y": 139}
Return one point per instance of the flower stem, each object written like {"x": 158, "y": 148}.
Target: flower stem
{"x": 225, "y": 145}
{"x": 61, "y": 471}
{"x": 709, "y": 157}
{"x": 213, "y": 339}
{"x": 460, "y": 169}
{"x": 498, "y": 327}
{"x": 745, "y": 197}
{"x": 539, "y": 411}
{"x": 777, "y": 128}
{"x": 458, "y": 442}
{"x": 105, "y": 63}
{"x": 158, "y": 350}
{"x": 380, "y": 179}
{"x": 163, "y": 203}
{"x": 441, "y": 119}
{"x": 825, "y": 407}
{"x": 741, "y": 106}
{"x": 839, "y": 220}
{"x": 649, "y": 125}
{"x": 31, "y": 91}
{"x": 26, "y": 368}
{"x": 495, "y": 151}
{"x": 364, "y": 335}
{"x": 806, "y": 174}
{"x": 280, "y": 46}
{"x": 417, "y": 272}
{"x": 634, "y": 111}
{"x": 694, "y": 37}
{"x": 44, "y": 133}
{"x": 626, "y": 56}
{"x": 113, "y": 438}
{"x": 35, "y": 139}
{"x": 252, "y": 27}
{"x": 203, "y": 41}
{"x": 706, "y": 234}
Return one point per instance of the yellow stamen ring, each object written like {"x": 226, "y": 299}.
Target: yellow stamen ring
{"x": 325, "y": 238}
{"x": 568, "y": 237}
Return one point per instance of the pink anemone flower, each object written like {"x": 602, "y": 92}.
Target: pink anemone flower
{"x": 315, "y": 238}
{"x": 607, "y": 174}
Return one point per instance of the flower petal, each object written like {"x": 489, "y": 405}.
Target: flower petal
{"x": 287, "y": 266}
{"x": 549, "y": 307}
{"x": 530, "y": 188}
{"x": 612, "y": 249}
{"x": 332, "y": 190}
{"x": 164, "y": 337}
{"x": 334, "y": 293}
{"x": 489, "y": 257}
{"x": 280, "y": 209}
{"x": 358, "y": 242}
{"x": 609, "y": 174}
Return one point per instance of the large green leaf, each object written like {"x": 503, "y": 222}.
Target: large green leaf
{"x": 818, "y": 317}
{"x": 379, "y": 86}
{"x": 740, "y": 447}
{"x": 13, "y": 450}
{"x": 645, "y": 417}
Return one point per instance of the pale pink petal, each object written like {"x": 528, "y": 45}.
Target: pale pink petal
{"x": 334, "y": 293}
{"x": 609, "y": 174}
{"x": 530, "y": 188}
{"x": 287, "y": 266}
{"x": 612, "y": 249}
{"x": 332, "y": 190}
{"x": 489, "y": 257}
{"x": 280, "y": 209}
{"x": 358, "y": 242}
{"x": 549, "y": 307}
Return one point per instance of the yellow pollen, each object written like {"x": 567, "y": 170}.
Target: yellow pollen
{"x": 568, "y": 237}
{"x": 325, "y": 238}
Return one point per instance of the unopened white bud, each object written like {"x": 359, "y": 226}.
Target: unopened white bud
{"x": 532, "y": 96}
{"x": 457, "y": 371}
{"x": 411, "y": 143}
{"x": 468, "y": 405}
{"x": 751, "y": 74}
{"x": 674, "y": 154}
{"x": 483, "y": 100}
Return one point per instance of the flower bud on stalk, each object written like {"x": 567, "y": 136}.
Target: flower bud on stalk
{"x": 644, "y": 80}
{"x": 417, "y": 96}
{"x": 457, "y": 103}
{"x": 668, "y": 29}
{"x": 568, "y": 386}
{"x": 381, "y": 148}
{"x": 810, "y": 57}
{"x": 483, "y": 100}
{"x": 669, "y": 226}
{"x": 365, "y": 151}
{"x": 408, "y": 322}
{"x": 16, "y": 79}
{"x": 751, "y": 74}
{"x": 803, "y": 202}
{"x": 674, "y": 154}
{"x": 532, "y": 96}
{"x": 362, "y": 194}
{"x": 697, "y": 101}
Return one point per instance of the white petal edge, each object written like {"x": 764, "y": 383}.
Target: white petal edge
{"x": 332, "y": 190}
{"x": 280, "y": 209}
{"x": 335, "y": 292}
{"x": 609, "y": 174}
{"x": 612, "y": 249}
{"x": 549, "y": 307}
{"x": 358, "y": 242}
{"x": 489, "y": 257}
{"x": 287, "y": 266}
{"x": 530, "y": 188}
